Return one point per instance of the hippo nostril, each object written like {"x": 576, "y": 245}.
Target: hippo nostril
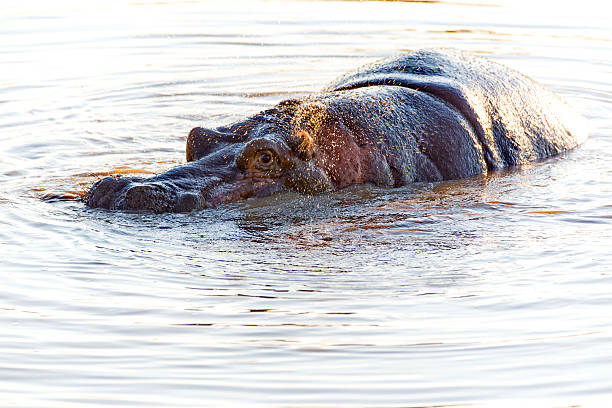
{"x": 150, "y": 197}
{"x": 187, "y": 202}
{"x": 106, "y": 185}
{"x": 104, "y": 191}
{"x": 135, "y": 196}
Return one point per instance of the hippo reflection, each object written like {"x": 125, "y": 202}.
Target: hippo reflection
{"x": 428, "y": 115}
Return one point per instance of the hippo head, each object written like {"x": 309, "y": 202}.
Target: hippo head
{"x": 270, "y": 152}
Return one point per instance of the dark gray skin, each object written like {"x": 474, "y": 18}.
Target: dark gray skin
{"x": 428, "y": 115}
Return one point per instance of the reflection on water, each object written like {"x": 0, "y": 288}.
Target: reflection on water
{"x": 490, "y": 290}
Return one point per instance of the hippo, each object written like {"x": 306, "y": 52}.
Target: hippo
{"x": 423, "y": 116}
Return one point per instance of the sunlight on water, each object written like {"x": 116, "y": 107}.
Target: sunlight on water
{"x": 492, "y": 290}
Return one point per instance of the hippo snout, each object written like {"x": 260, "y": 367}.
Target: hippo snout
{"x": 133, "y": 194}
{"x": 102, "y": 194}
{"x": 194, "y": 185}
{"x": 151, "y": 197}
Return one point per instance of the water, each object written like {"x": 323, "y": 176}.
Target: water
{"x": 494, "y": 290}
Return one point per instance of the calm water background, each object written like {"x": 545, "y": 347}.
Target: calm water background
{"x": 495, "y": 290}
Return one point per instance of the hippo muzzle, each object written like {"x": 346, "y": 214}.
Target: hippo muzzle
{"x": 183, "y": 188}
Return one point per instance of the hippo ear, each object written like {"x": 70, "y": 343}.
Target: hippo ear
{"x": 305, "y": 145}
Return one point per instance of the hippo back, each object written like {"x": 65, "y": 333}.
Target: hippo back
{"x": 515, "y": 119}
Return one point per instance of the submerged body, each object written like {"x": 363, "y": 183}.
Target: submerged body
{"x": 429, "y": 115}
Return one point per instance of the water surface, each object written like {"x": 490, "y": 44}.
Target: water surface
{"x": 493, "y": 290}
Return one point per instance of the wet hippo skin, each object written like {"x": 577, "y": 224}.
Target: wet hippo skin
{"x": 428, "y": 115}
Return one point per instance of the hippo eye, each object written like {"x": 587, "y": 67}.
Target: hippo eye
{"x": 265, "y": 158}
